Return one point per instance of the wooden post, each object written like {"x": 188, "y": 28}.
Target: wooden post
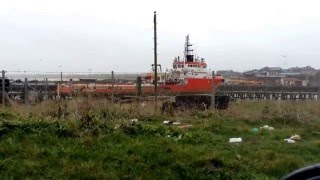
{"x": 26, "y": 93}
{"x": 139, "y": 90}
{"x": 58, "y": 89}
{"x": 3, "y": 89}
{"x": 36, "y": 90}
{"x": 155, "y": 59}
{"x": 46, "y": 90}
{"x": 213, "y": 92}
{"x": 112, "y": 86}
{"x": 318, "y": 98}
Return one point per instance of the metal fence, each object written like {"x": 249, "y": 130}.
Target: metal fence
{"x": 27, "y": 86}
{"x": 32, "y": 87}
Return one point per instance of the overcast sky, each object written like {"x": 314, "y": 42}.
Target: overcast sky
{"x": 77, "y": 35}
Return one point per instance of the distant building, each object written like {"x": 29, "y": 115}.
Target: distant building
{"x": 229, "y": 73}
{"x": 307, "y": 70}
{"x": 243, "y": 81}
{"x": 276, "y": 76}
{"x": 270, "y": 71}
{"x": 265, "y": 80}
{"x": 279, "y": 72}
{"x": 271, "y": 80}
{"x": 251, "y": 73}
{"x": 288, "y": 81}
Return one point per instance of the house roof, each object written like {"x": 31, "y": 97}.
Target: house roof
{"x": 271, "y": 69}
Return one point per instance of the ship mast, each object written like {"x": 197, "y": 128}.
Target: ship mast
{"x": 187, "y": 51}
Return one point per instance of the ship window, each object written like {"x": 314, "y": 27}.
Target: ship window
{"x": 182, "y": 66}
{"x": 179, "y": 66}
{"x": 174, "y": 66}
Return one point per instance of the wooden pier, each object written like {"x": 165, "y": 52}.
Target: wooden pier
{"x": 270, "y": 92}
{"x": 48, "y": 90}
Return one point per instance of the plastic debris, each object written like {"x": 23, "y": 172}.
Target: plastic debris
{"x": 175, "y": 138}
{"x": 255, "y": 130}
{"x": 266, "y": 127}
{"x": 290, "y": 140}
{"x": 117, "y": 126}
{"x": 238, "y": 156}
{"x": 235, "y": 140}
{"x": 167, "y": 122}
{"x": 295, "y": 137}
{"x": 134, "y": 120}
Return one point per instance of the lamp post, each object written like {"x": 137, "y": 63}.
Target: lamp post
{"x": 60, "y": 73}
{"x": 89, "y": 72}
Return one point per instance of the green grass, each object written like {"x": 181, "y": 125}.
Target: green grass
{"x": 100, "y": 142}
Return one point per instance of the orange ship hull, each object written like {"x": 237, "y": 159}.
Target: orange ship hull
{"x": 190, "y": 86}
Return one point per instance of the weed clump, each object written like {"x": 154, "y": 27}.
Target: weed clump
{"x": 86, "y": 117}
{"x": 58, "y": 109}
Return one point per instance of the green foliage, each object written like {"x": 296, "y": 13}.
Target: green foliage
{"x": 101, "y": 142}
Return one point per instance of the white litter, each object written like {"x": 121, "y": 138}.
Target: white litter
{"x": 134, "y": 120}
{"x": 290, "y": 140}
{"x": 235, "y": 140}
{"x": 167, "y": 122}
{"x": 266, "y": 127}
{"x": 176, "y": 123}
{"x": 295, "y": 137}
{"x": 117, "y": 126}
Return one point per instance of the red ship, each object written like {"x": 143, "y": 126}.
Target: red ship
{"x": 189, "y": 75}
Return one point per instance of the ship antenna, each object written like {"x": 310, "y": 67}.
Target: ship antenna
{"x": 187, "y": 49}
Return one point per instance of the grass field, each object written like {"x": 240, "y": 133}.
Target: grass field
{"x": 91, "y": 139}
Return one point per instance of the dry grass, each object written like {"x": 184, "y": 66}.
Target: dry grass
{"x": 94, "y": 139}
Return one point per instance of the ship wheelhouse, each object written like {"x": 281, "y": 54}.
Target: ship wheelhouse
{"x": 189, "y": 66}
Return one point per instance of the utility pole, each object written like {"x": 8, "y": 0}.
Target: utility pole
{"x": 112, "y": 86}
{"x": 35, "y": 90}
{"x": 46, "y": 90}
{"x": 155, "y": 58}
{"x": 139, "y": 90}
{"x": 89, "y": 72}
{"x": 318, "y": 98}
{"x": 213, "y": 92}
{"x": 3, "y": 88}
{"x": 26, "y": 93}
{"x": 61, "y": 76}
